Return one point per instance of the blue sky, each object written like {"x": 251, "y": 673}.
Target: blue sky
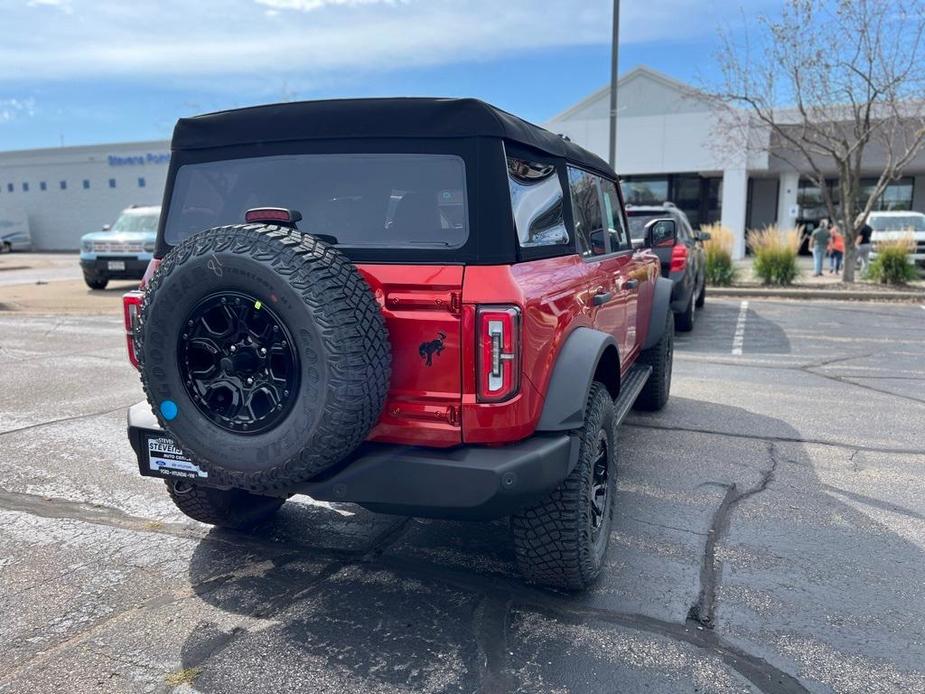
{"x": 109, "y": 70}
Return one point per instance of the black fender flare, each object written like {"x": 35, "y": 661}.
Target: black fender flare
{"x": 661, "y": 305}
{"x": 567, "y": 394}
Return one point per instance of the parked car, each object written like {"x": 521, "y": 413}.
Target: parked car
{"x": 14, "y": 231}
{"x": 121, "y": 251}
{"x": 894, "y": 225}
{"x": 423, "y": 306}
{"x": 683, "y": 262}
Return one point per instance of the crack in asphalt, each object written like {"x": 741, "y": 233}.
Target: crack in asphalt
{"x": 639, "y": 424}
{"x": 703, "y": 611}
{"x": 73, "y": 418}
{"x": 500, "y": 594}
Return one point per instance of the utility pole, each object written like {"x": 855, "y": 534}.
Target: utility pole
{"x": 614, "y": 76}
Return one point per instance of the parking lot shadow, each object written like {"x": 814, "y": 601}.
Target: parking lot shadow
{"x": 715, "y": 331}
{"x": 757, "y": 538}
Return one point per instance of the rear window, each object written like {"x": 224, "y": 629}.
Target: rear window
{"x": 638, "y": 221}
{"x": 361, "y": 200}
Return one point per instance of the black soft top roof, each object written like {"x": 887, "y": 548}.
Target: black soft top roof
{"x": 373, "y": 118}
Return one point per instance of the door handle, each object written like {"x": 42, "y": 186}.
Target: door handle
{"x": 632, "y": 284}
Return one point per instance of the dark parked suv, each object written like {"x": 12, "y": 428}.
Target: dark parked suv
{"x": 684, "y": 262}
{"x": 424, "y": 306}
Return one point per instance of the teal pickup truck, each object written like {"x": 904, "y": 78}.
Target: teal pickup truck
{"x": 121, "y": 251}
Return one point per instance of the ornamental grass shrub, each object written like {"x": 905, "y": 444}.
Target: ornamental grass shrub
{"x": 720, "y": 270}
{"x": 775, "y": 254}
{"x": 893, "y": 263}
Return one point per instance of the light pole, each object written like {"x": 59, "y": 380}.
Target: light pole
{"x": 614, "y": 69}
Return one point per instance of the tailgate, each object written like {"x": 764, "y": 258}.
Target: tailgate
{"x": 422, "y": 305}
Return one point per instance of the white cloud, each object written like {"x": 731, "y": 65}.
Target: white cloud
{"x": 310, "y": 40}
{"x": 13, "y": 109}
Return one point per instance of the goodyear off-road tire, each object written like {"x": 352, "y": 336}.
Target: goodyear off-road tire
{"x": 556, "y": 541}
{"x": 702, "y": 296}
{"x": 339, "y": 353}
{"x": 654, "y": 394}
{"x": 684, "y": 321}
{"x": 225, "y": 508}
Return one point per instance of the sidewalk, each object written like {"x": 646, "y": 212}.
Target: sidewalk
{"x": 826, "y": 287}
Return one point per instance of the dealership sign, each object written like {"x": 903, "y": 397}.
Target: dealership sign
{"x": 139, "y": 159}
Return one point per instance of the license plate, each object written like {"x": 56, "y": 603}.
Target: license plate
{"x": 116, "y": 265}
{"x": 165, "y": 459}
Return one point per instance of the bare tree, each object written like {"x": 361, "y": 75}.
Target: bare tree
{"x": 824, "y": 83}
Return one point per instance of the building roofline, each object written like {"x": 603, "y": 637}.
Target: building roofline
{"x": 638, "y": 71}
{"x": 80, "y": 149}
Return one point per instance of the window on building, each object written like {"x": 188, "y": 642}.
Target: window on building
{"x": 86, "y": 184}
{"x": 616, "y": 229}
{"x": 9, "y": 187}
{"x": 586, "y": 209}
{"x": 63, "y": 185}
{"x": 25, "y": 187}
{"x": 536, "y": 202}
{"x": 43, "y": 185}
{"x": 112, "y": 183}
{"x": 645, "y": 190}
{"x": 141, "y": 182}
{"x": 896, "y": 197}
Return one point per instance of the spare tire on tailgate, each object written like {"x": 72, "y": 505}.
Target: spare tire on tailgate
{"x": 263, "y": 352}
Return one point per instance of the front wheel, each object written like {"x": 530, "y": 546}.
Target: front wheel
{"x": 702, "y": 296}
{"x": 96, "y": 282}
{"x": 226, "y": 508}
{"x": 562, "y": 541}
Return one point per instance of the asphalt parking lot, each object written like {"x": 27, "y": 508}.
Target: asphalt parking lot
{"x": 770, "y": 536}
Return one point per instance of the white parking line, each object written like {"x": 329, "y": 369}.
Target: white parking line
{"x": 739, "y": 337}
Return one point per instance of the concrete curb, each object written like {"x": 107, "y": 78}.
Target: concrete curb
{"x": 807, "y": 293}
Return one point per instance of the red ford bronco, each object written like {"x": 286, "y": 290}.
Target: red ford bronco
{"x": 423, "y": 306}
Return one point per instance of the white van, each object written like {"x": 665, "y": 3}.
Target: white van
{"x": 894, "y": 225}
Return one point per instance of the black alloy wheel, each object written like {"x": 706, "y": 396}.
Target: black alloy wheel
{"x": 600, "y": 486}
{"x": 238, "y": 363}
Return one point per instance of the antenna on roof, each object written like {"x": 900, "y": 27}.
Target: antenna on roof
{"x": 565, "y": 137}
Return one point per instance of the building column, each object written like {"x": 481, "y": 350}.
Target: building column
{"x": 787, "y": 209}
{"x": 735, "y": 202}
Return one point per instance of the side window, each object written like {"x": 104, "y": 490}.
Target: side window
{"x": 536, "y": 201}
{"x": 619, "y": 239}
{"x": 586, "y": 208}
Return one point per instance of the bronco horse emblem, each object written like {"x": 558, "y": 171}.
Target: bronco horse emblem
{"x": 427, "y": 350}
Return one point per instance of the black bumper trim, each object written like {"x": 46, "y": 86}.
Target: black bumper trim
{"x": 466, "y": 482}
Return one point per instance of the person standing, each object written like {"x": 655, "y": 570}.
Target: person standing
{"x": 864, "y": 246}
{"x": 820, "y": 241}
{"x": 836, "y": 250}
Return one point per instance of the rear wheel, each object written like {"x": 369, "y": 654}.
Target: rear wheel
{"x": 702, "y": 296}
{"x": 660, "y": 357}
{"x": 225, "y": 508}
{"x": 96, "y": 281}
{"x": 562, "y": 541}
{"x": 684, "y": 321}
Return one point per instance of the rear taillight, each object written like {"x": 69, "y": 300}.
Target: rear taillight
{"x": 678, "y": 257}
{"x": 498, "y": 352}
{"x": 131, "y": 308}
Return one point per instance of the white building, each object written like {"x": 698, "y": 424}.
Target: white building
{"x": 65, "y": 192}
{"x": 666, "y": 151}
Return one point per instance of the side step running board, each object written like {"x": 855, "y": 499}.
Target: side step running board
{"x": 630, "y": 387}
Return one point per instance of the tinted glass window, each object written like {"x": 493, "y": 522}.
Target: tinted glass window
{"x": 536, "y": 201}
{"x": 361, "y": 200}
{"x": 618, "y": 237}
{"x": 638, "y": 221}
{"x": 586, "y": 208}
{"x": 645, "y": 191}
{"x": 136, "y": 222}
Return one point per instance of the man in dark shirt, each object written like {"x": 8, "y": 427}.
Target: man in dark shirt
{"x": 864, "y": 245}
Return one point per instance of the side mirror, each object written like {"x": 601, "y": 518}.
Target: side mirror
{"x": 661, "y": 233}
{"x": 107, "y": 227}
{"x": 704, "y": 236}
